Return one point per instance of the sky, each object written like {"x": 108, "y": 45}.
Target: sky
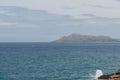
{"x": 47, "y": 20}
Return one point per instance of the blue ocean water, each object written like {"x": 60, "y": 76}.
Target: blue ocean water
{"x": 57, "y": 61}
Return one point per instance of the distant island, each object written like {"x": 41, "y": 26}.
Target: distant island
{"x": 86, "y": 38}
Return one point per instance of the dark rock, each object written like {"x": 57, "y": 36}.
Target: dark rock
{"x": 118, "y": 72}
{"x": 115, "y": 76}
{"x": 104, "y": 77}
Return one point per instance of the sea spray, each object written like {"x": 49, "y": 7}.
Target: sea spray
{"x": 98, "y": 73}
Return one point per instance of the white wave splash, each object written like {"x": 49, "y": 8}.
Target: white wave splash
{"x": 98, "y": 74}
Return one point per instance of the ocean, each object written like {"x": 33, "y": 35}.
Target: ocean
{"x": 57, "y": 61}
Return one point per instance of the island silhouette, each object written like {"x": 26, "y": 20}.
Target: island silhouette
{"x": 86, "y": 38}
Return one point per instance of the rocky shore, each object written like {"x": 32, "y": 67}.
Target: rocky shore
{"x": 114, "y": 76}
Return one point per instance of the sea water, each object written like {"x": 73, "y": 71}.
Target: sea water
{"x": 57, "y": 61}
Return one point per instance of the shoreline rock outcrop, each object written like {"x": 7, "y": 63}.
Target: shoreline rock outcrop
{"x": 114, "y": 76}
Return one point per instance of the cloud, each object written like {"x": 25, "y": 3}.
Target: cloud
{"x": 101, "y": 6}
{"x": 6, "y": 11}
{"x": 3, "y": 11}
{"x": 34, "y": 17}
{"x": 41, "y": 18}
{"x": 89, "y": 15}
{"x": 68, "y": 8}
{"x": 6, "y": 24}
{"x": 117, "y": 0}
{"x": 41, "y": 25}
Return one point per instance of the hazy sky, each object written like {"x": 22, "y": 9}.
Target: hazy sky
{"x": 47, "y": 20}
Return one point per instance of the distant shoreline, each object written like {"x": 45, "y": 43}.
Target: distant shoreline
{"x": 62, "y": 42}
